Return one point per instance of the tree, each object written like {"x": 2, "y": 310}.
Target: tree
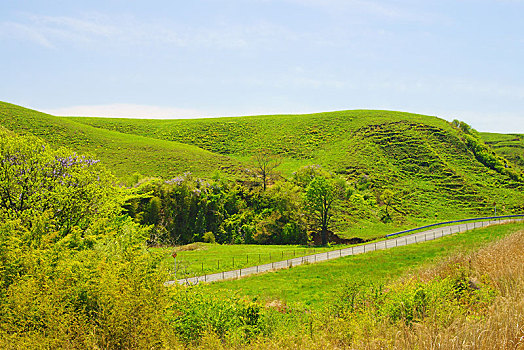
{"x": 37, "y": 181}
{"x": 266, "y": 162}
{"x": 388, "y": 197}
{"x": 321, "y": 194}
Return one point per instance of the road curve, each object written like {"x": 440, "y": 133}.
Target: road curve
{"x": 423, "y": 236}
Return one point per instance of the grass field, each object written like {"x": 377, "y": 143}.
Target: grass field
{"x": 311, "y": 285}
{"x": 204, "y": 258}
{"x": 197, "y": 259}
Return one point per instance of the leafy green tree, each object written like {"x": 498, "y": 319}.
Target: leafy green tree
{"x": 36, "y": 180}
{"x": 321, "y": 194}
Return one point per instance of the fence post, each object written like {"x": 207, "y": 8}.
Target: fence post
{"x": 352, "y": 250}
{"x": 233, "y": 263}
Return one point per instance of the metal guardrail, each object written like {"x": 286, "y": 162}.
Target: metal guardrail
{"x": 454, "y": 222}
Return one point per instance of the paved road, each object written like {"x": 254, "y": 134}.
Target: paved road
{"x": 423, "y": 236}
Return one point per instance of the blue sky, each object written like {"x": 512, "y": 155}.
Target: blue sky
{"x": 453, "y": 59}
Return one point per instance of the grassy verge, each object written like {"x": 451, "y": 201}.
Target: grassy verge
{"x": 311, "y": 285}
{"x": 205, "y": 258}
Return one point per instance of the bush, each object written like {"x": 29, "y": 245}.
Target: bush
{"x": 208, "y": 237}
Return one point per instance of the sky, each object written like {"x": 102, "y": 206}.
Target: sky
{"x": 459, "y": 59}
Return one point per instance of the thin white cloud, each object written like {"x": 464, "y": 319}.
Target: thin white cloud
{"x": 99, "y": 29}
{"x": 123, "y": 110}
{"x": 10, "y": 30}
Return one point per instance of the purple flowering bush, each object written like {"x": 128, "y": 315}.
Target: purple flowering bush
{"x": 36, "y": 180}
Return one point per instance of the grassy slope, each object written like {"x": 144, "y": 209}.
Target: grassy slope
{"x": 511, "y": 146}
{"x": 125, "y": 154}
{"x": 422, "y": 158}
{"x": 311, "y": 285}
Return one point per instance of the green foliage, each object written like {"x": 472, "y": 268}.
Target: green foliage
{"x": 320, "y": 198}
{"x": 442, "y": 299}
{"x": 185, "y": 208}
{"x": 194, "y": 313}
{"x": 65, "y": 189}
{"x": 209, "y": 237}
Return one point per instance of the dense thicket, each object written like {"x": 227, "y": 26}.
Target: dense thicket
{"x": 76, "y": 273}
{"x": 186, "y": 209}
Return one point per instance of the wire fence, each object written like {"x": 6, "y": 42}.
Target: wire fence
{"x": 392, "y": 240}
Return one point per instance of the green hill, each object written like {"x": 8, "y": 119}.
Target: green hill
{"x": 511, "y": 146}
{"x": 424, "y": 159}
{"x": 435, "y": 169}
{"x": 123, "y": 153}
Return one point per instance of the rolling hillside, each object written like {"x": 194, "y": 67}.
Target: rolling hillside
{"x": 434, "y": 173}
{"x": 424, "y": 159}
{"x": 122, "y": 153}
